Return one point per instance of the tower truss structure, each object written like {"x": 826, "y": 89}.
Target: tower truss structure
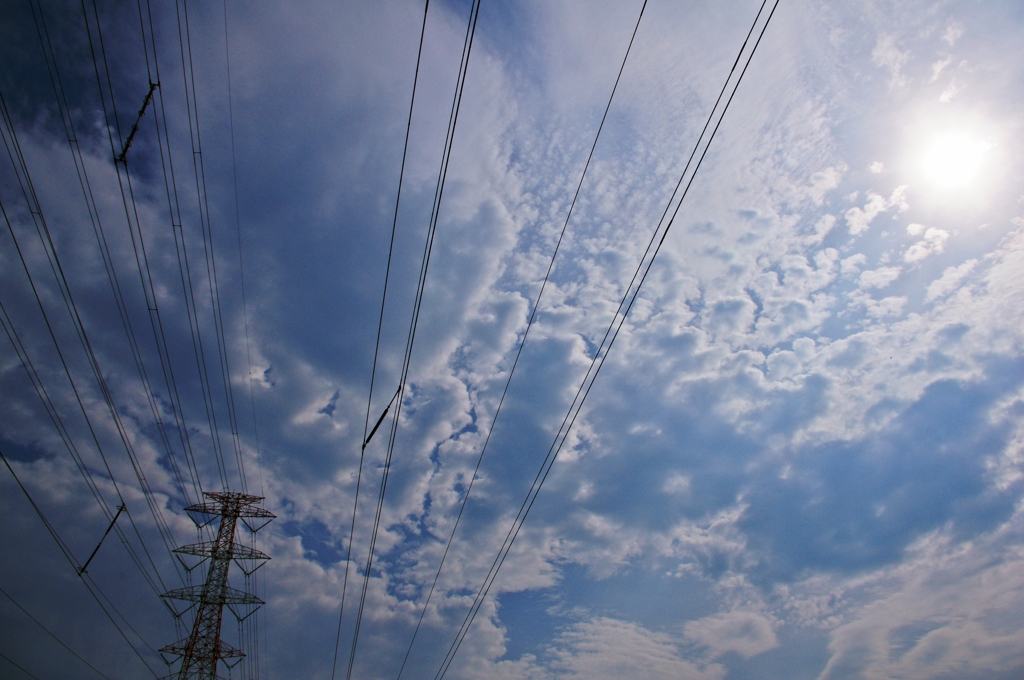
{"x": 203, "y": 649}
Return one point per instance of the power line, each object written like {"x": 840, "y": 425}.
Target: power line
{"x": 250, "y": 624}
{"x": 522, "y": 343}
{"x": 151, "y": 300}
{"x": 35, "y": 209}
{"x": 174, "y": 214}
{"x": 467, "y": 48}
{"x": 64, "y": 109}
{"x": 376, "y": 348}
{"x": 8, "y": 660}
{"x": 65, "y": 436}
{"x": 206, "y": 227}
{"x": 66, "y": 551}
{"x": 617, "y": 322}
{"x": 241, "y": 261}
{"x": 50, "y": 633}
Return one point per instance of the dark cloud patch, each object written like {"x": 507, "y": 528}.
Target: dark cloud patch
{"x": 687, "y": 465}
{"x": 319, "y": 545}
{"x": 23, "y": 453}
{"x": 849, "y": 506}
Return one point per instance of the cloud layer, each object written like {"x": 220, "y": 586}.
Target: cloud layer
{"x": 801, "y": 459}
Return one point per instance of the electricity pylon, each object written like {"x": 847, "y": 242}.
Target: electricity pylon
{"x": 203, "y": 649}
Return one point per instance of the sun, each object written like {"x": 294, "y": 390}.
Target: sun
{"x": 954, "y": 160}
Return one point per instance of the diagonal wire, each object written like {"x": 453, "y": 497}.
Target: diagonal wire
{"x": 9, "y": 136}
{"x": 376, "y": 348}
{"x": 474, "y": 14}
{"x": 66, "y": 551}
{"x": 522, "y": 343}
{"x": 50, "y": 633}
{"x": 599, "y": 357}
{"x": 8, "y": 660}
{"x": 85, "y": 183}
{"x": 248, "y": 627}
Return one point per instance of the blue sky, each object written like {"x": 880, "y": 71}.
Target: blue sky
{"x": 802, "y": 458}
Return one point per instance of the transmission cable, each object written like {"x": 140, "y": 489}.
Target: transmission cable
{"x": 376, "y": 349}
{"x": 250, "y": 624}
{"x": 598, "y": 361}
{"x": 10, "y": 661}
{"x": 64, "y": 109}
{"x": 474, "y": 13}
{"x": 66, "y": 551}
{"x": 522, "y": 343}
{"x": 199, "y": 166}
{"x": 69, "y": 444}
{"x": 50, "y": 633}
{"x": 214, "y": 303}
{"x": 9, "y": 136}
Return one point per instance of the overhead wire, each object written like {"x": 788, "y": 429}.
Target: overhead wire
{"x": 67, "y": 121}
{"x": 618, "y": 320}
{"x": 51, "y": 634}
{"x": 54, "y": 415}
{"x": 12, "y": 146}
{"x": 53, "y": 258}
{"x": 206, "y": 226}
{"x": 10, "y": 661}
{"x": 522, "y": 343}
{"x": 42, "y": 229}
{"x": 474, "y": 14}
{"x": 376, "y": 349}
{"x": 90, "y": 585}
{"x": 241, "y": 259}
{"x": 181, "y": 252}
{"x": 26, "y": 362}
{"x": 251, "y": 624}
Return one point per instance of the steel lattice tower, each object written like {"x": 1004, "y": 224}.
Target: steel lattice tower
{"x": 203, "y": 649}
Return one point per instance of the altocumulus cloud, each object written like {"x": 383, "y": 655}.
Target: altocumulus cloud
{"x": 801, "y": 459}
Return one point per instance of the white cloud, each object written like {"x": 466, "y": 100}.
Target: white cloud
{"x": 898, "y": 199}
{"x": 677, "y": 484}
{"x": 953, "y": 32}
{"x": 851, "y": 265}
{"x": 822, "y": 228}
{"x": 938, "y": 67}
{"x": 949, "y": 280}
{"x": 951, "y": 90}
{"x": 888, "y": 55}
{"x": 949, "y": 610}
{"x": 708, "y": 343}
{"x": 610, "y": 649}
{"x": 746, "y": 633}
{"x": 933, "y": 243}
{"x": 878, "y": 278}
{"x": 824, "y": 181}
{"x": 859, "y": 219}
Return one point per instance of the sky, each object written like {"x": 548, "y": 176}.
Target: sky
{"x": 803, "y": 457}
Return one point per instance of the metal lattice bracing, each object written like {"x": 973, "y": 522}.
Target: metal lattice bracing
{"x": 201, "y": 651}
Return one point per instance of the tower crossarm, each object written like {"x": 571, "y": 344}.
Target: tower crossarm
{"x": 220, "y": 596}
{"x": 209, "y": 548}
{"x": 237, "y": 504}
{"x": 217, "y": 509}
{"x": 225, "y": 651}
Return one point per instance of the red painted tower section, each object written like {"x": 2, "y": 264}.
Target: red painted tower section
{"x": 201, "y": 651}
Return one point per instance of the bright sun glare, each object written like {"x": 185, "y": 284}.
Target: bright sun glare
{"x": 954, "y": 160}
